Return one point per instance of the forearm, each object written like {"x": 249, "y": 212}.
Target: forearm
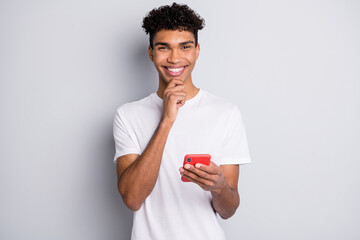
{"x": 226, "y": 201}
{"x": 138, "y": 180}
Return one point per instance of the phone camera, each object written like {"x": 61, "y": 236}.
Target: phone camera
{"x": 188, "y": 160}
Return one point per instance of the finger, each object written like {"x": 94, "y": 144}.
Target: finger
{"x": 179, "y": 104}
{"x": 178, "y": 88}
{"x": 175, "y": 97}
{"x": 203, "y": 186}
{"x": 181, "y": 101}
{"x": 191, "y": 180}
{"x": 201, "y": 174}
{"x": 197, "y": 179}
{"x": 181, "y": 86}
{"x": 170, "y": 94}
{"x": 174, "y": 82}
{"x": 178, "y": 99}
{"x": 211, "y": 169}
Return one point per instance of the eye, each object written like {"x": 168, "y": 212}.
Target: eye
{"x": 186, "y": 47}
{"x": 162, "y": 48}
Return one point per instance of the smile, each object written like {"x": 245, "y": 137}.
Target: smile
{"x": 174, "y": 71}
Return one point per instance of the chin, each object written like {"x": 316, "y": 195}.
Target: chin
{"x": 168, "y": 79}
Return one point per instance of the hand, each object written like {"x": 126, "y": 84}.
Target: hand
{"x": 209, "y": 178}
{"x": 174, "y": 97}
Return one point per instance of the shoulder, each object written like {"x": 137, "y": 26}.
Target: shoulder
{"x": 136, "y": 106}
{"x": 219, "y": 104}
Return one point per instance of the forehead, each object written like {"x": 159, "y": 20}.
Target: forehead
{"x": 173, "y": 36}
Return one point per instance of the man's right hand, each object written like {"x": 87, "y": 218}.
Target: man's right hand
{"x": 174, "y": 97}
{"x": 135, "y": 190}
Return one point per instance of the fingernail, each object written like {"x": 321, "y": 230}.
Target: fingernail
{"x": 187, "y": 166}
{"x": 197, "y": 165}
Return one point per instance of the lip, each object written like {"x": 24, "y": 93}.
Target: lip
{"x": 174, "y": 74}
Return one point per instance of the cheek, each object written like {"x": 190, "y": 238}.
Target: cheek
{"x": 159, "y": 59}
{"x": 192, "y": 57}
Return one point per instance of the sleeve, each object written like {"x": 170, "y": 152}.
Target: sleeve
{"x": 235, "y": 147}
{"x": 124, "y": 137}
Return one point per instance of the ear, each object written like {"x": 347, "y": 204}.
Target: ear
{"x": 151, "y": 53}
{"x": 197, "y": 49}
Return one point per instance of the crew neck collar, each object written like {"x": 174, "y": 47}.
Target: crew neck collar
{"x": 188, "y": 102}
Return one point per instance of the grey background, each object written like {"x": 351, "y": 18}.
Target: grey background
{"x": 291, "y": 66}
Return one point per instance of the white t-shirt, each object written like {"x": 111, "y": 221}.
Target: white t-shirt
{"x": 206, "y": 124}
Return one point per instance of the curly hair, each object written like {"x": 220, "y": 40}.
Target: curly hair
{"x": 174, "y": 17}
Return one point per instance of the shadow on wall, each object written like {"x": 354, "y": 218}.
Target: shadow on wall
{"x": 120, "y": 218}
{"x": 137, "y": 78}
{"x": 137, "y": 75}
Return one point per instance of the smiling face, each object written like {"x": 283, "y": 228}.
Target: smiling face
{"x": 174, "y": 55}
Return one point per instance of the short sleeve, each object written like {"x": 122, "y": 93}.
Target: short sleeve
{"x": 124, "y": 137}
{"x": 235, "y": 147}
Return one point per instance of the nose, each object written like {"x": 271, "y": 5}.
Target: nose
{"x": 174, "y": 56}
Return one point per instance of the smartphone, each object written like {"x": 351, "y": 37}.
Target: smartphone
{"x": 196, "y": 158}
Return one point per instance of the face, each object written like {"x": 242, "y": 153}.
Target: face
{"x": 174, "y": 54}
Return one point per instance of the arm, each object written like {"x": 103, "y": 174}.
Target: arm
{"x": 227, "y": 200}
{"x": 221, "y": 181}
{"x": 137, "y": 174}
{"x": 134, "y": 189}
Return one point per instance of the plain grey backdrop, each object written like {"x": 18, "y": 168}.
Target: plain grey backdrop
{"x": 292, "y": 67}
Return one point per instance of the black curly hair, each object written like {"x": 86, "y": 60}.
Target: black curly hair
{"x": 174, "y": 17}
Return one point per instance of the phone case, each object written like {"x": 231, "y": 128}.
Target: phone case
{"x": 196, "y": 158}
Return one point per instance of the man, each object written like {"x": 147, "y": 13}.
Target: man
{"x": 153, "y": 135}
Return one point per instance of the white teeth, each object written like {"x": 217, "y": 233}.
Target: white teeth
{"x": 175, "y": 69}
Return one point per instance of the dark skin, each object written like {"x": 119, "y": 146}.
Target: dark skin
{"x": 174, "y": 57}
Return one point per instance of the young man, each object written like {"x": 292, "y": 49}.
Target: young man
{"x": 153, "y": 135}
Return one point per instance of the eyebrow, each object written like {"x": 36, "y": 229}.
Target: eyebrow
{"x": 181, "y": 44}
{"x": 187, "y": 42}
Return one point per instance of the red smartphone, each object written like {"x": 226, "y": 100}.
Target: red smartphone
{"x": 196, "y": 158}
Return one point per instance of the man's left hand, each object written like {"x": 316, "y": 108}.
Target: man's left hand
{"x": 209, "y": 178}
